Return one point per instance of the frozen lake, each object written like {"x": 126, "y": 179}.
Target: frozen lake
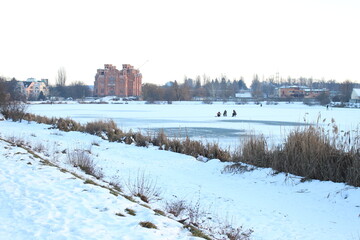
{"x": 198, "y": 120}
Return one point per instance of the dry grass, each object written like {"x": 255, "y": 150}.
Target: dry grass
{"x": 130, "y": 211}
{"x": 176, "y": 208}
{"x": 236, "y": 233}
{"x": 82, "y": 159}
{"x": 143, "y": 186}
{"x": 106, "y": 129}
{"x": 310, "y": 152}
{"x": 148, "y": 225}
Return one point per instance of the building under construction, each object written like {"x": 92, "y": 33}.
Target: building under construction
{"x": 113, "y": 82}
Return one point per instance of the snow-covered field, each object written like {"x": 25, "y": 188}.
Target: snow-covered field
{"x": 41, "y": 202}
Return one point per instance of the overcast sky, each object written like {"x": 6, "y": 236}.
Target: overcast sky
{"x": 309, "y": 38}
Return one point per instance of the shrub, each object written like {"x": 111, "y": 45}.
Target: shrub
{"x": 141, "y": 140}
{"x": 14, "y": 110}
{"x": 176, "y": 208}
{"x": 67, "y": 125}
{"x": 116, "y": 185}
{"x": 160, "y": 139}
{"x": 39, "y": 147}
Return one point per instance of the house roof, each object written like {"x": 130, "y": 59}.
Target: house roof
{"x": 243, "y": 95}
{"x": 356, "y": 91}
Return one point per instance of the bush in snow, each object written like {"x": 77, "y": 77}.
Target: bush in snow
{"x": 14, "y": 110}
{"x": 176, "y": 208}
{"x": 106, "y": 129}
{"x": 310, "y": 152}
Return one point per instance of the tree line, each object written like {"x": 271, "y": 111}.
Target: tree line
{"x": 190, "y": 89}
{"x": 225, "y": 89}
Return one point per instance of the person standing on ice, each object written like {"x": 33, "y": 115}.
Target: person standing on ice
{"x": 225, "y": 113}
{"x": 218, "y": 114}
{"x": 234, "y": 113}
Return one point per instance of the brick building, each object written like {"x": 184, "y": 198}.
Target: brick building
{"x": 113, "y": 82}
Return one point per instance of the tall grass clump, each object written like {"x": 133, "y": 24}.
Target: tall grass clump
{"x": 67, "y": 125}
{"x": 319, "y": 154}
{"x": 311, "y": 152}
{"x": 253, "y": 150}
{"x": 106, "y": 129}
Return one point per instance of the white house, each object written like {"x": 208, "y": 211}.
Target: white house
{"x": 355, "y": 95}
{"x": 244, "y": 94}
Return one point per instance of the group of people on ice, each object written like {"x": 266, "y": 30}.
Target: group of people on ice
{"x": 225, "y": 114}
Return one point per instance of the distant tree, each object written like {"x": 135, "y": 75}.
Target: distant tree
{"x": 256, "y": 87}
{"x": 60, "y": 83}
{"x": 41, "y": 96}
{"x": 168, "y": 93}
{"x": 242, "y": 84}
{"x": 210, "y": 90}
{"x": 189, "y": 82}
{"x": 346, "y": 90}
{"x": 77, "y": 90}
{"x": 176, "y": 89}
{"x": 268, "y": 88}
{"x": 151, "y": 92}
{"x": 12, "y": 88}
{"x": 323, "y": 98}
{"x": 185, "y": 92}
{"x": 10, "y": 106}
{"x": 3, "y": 94}
{"x": 197, "y": 82}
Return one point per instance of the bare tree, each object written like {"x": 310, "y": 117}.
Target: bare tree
{"x": 61, "y": 77}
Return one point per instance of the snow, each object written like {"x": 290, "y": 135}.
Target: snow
{"x": 41, "y": 202}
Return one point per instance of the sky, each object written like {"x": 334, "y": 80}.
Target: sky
{"x": 168, "y": 40}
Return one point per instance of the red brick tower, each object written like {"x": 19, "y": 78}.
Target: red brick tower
{"x": 113, "y": 82}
